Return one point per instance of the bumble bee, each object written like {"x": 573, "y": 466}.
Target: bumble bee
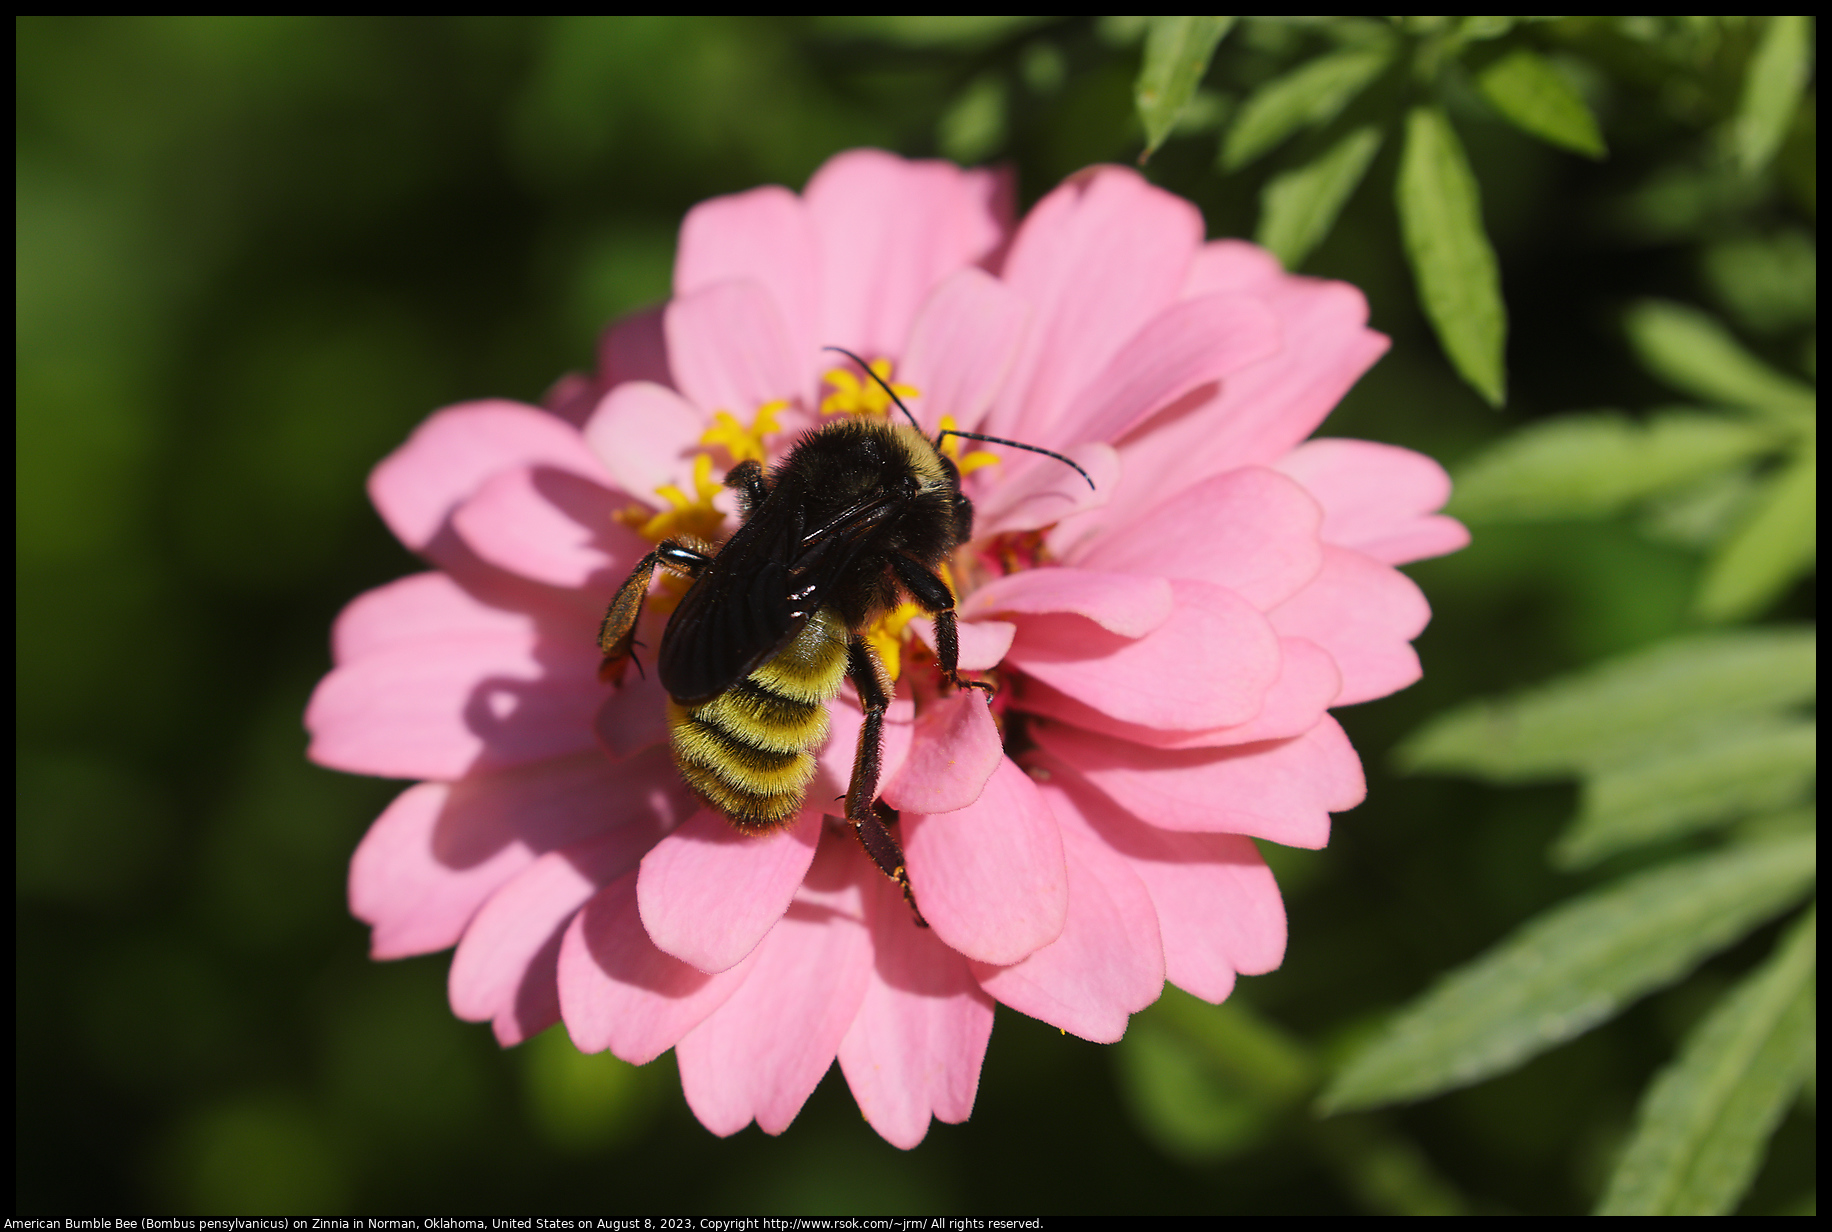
{"x": 858, "y": 512}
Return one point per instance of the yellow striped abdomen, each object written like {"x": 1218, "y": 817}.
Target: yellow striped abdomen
{"x": 749, "y": 752}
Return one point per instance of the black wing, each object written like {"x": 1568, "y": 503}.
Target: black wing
{"x": 758, "y": 592}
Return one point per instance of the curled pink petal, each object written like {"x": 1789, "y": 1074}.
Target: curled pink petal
{"x": 1107, "y": 964}
{"x": 1380, "y": 500}
{"x": 708, "y": 893}
{"x": 982, "y": 643}
{"x": 1366, "y": 615}
{"x": 957, "y": 748}
{"x": 1283, "y": 790}
{"x": 989, "y": 877}
{"x": 1128, "y": 606}
{"x": 1307, "y": 684}
{"x": 963, "y": 344}
{"x": 1209, "y": 665}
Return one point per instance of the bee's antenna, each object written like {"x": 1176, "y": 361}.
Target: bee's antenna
{"x": 999, "y": 440}
{"x": 874, "y": 376}
{"x": 973, "y": 436}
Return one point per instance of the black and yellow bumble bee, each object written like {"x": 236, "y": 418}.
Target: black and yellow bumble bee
{"x": 860, "y": 511}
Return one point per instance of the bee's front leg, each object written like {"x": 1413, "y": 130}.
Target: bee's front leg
{"x": 617, "y": 633}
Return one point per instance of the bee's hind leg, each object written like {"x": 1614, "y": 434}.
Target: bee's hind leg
{"x": 864, "y": 812}
{"x": 617, "y": 633}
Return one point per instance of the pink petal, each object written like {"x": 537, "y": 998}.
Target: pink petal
{"x": 476, "y": 689}
{"x": 1233, "y": 266}
{"x": 989, "y": 877}
{"x": 1107, "y": 964}
{"x": 1217, "y": 906}
{"x": 506, "y": 968}
{"x": 441, "y": 849}
{"x": 833, "y": 775}
{"x": 917, "y": 1043}
{"x": 963, "y": 343}
{"x": 1191, "y": 343}
{"x": 763, "y": 1052}
{"x": 1252, "y": 530}
{"x": 1366, "y": 615}
{"x": 708, "y": 893}
{"x": 1128, "y": 606}
{"x": 549, "y": 526}
{"x": 633, "y": 715}
{"x": 450, "y": 455}
{"x": 981, "y": 643}
{"x": 1209, "y": 665}
{"x": 1283, "y": 790}
{"x": 618, "y": 991}
{"x": 1097, "y": 258}
{"x": 1040, "y": 495}
{"x": 646, "y": 436}
{"x": 955, "y": 749}
{"x": 1379, "y": 500}
{"x": 764, "y": 237}
{"x": 634, "y": 349}
{"x": 888, "y": 231}
{"x": 730, "y": 350}
{"x": 1307, "y": 685}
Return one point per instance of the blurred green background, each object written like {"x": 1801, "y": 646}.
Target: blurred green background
{"x": 252, "y": 254}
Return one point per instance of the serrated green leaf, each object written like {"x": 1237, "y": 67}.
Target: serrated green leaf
{"x": 1706, "y": 1117}
{"x": 1459, "y": 283}
{"x": 1597, "y": 463}
{"x": 1298, "y": 207}
{"x": 1608, "y": 714}
{"x": 1693, "y": 352}
{"x": 1728, "y": 771}
{"x": 1771, "y": 91}
{"x": 1313, "y": 94}
{"x": 1571, "y": 968}
{"x": 1177, "y": 54}
{"x": 1535, "y": 97}
{"x": 1777, "y": 543}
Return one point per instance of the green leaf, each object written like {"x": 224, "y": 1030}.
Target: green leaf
{"x": 1776, "y": 544}
{"x": 1706, "y": 1118}
{"x": 1772, "y": 90}
{"x": 1535, "y": 97}
{"x": 1440, "y": 215}
{"x": 1298, "y": 207}
{"x": 1609, "y": 714}
{"x": 1571, "y": 968}
{"x": 974, "y": 127}
{"x": 1594, "y": 464}
{"x": 1177, "y": 54}
{"x": 1693, "y": 352}
{"x": 1724, "y": 772}
{"x": 1208, "y": 1082}
{"x": 1308, "y": 96}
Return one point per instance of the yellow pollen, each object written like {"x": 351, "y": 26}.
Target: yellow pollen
{"x": 853, "y": 396}
{"x": 951, "y": 446}
{"x": 744, "y": 444}
{"x": 693, "y": 516}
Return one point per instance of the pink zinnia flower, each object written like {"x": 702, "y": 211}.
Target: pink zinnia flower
{"x": 1166, "y": 647}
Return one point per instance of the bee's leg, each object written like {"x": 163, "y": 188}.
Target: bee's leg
{"x": 863, "y": 811}
{"x": 932, "y": 594}
{"x": 617, "y": 634}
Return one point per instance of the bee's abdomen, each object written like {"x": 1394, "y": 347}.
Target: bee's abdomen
{"x": 749, "y": 752}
